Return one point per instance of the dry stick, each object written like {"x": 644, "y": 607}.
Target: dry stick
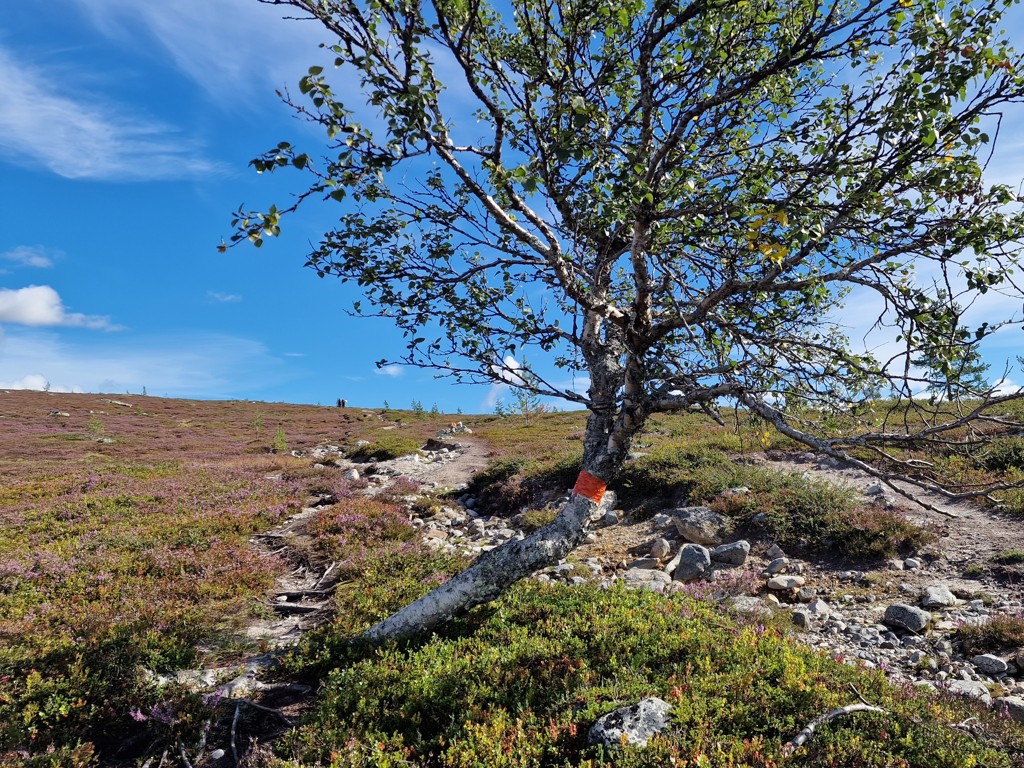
{"x": 234, "y": 730}
{"x": 184, "y": 758}
{"x": 801, "y": 738}
{"x": 327, "y": 573}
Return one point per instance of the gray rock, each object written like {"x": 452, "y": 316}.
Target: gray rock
{"x": 1012, "y": 705}
{"x": 905, "y": 616}
{"x": 634, "y": 724}
{"x": 731, "y": 554}
{"x": 802, "y": 618}
{"x": 937, "y": 596}
{"x": 660, "y": 548}
{"x": 610, "y": 518}
{"x": 701, "y": 525}
{"x": 694, "y": 562}
{"x": 989, "y": 664}
{"x": 911, "y": 564}
{"x": 783, "y": 583}
{"x": 778, "y": 565}
{"x": 971, "y": 688}
{"x": 775, "y": 551}
{"x": 819, "y": 607}
{"x": 644, "y": 562}
{"x": 748, "y": 605}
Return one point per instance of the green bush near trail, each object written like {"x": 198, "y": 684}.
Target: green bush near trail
{"x": 385, "y": 448}
{"x": 519, "y": 683}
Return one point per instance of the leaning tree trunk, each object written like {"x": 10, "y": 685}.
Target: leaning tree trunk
{"x": 498, "y": 569}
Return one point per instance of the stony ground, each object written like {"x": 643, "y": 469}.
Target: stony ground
{"x": 900, "y": 616}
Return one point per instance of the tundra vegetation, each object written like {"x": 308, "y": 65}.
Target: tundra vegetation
{"x": 674, "y": 201}
{"x": 125, "y": 558}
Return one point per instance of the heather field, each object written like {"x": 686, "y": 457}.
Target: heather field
{"x": 128, "y": 553}
{"x": 125, "y": 546}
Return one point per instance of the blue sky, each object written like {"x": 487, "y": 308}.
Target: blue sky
{"x": 126, "y": 127}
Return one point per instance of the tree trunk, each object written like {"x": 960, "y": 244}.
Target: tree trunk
{"x": 497, "y": 570}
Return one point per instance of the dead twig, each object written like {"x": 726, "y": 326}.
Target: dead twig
{"x": 805, "y": 735}
{"x": 234, "y": 731}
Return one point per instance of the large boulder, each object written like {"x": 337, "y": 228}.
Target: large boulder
{"x": 694, "y": 562}
{"x": 635, "y": 724}
{"x": 701, "y": 525}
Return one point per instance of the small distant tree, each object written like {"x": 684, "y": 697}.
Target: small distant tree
{"x": 675, "y": 198}
{"x": 952, "y": 364}
{"x": 280, "y": 444}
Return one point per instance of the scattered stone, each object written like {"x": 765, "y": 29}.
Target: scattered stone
{"x": 806, "y": 594}
{"x": 778, "y": 565}
{"x": 775, "y": 552}
{"x": 731, "y": 554}
{"x": 905, "y": 616}
{"x": 1013, "y": 706}
{"x": 701, "y": 525}
{"x": 972, "y": 688}
{"x": 660, "y": 548}
{"x": 60, "y": 414}
{"x": 748, "y": 605}
{"x": 635, "y": 724}
{"x": 911, "y": 564}
{"x": 646, "y": 563}
{"x": 802, "y": 618}
{"x": 352, "y": 474}
{"x": 609, "y": 519}
{"x": 819, "y": 607}
{"x": 785, "y": 583}
{"x": 989, "y": 664}
{"x": 937, "y": 596}
{"x": 694, "y": 562}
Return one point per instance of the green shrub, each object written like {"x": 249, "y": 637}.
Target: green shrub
{"x": 1004, "y": 454}
{"x": 385, "y": 448}
{"x": 1009, "y": 557}
{"x": 519, "y": 683}
{"x": 998, "y": 633}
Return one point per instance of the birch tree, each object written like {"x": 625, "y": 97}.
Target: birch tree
{"x": 679, "y": 201}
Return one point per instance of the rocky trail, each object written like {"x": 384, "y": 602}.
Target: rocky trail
{"x": 900, "y": 615}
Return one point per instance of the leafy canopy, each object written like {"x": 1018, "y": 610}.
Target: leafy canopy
{"x": 675, "y": 197}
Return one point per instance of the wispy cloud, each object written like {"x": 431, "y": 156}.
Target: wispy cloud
{"x": 266, "y": 52}
{"x": 40, "y": 306}
{"x": 31, "y": 256}
{"x": 390, "y": 370}
{"x": 81, "y": 136}
{"x": 223, "y": 298}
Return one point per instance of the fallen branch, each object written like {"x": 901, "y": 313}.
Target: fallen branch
{"x": 805, "y": 735}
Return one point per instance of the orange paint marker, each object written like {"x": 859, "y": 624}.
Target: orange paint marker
{"x": 590, "y": 487}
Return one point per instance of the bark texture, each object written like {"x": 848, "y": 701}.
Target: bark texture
{"x": 493, "y": 573}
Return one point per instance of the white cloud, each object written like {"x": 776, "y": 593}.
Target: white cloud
{"x": 79, "y": 136}
{"x": 40, "y": 305}
{"x": 31, "y": 256}
{"x": 177, "y": 365}
{"x": 37, "y": 382}
{"x": 234, "y": 49}
{"x": 224, "y": 298}
{"x": 390, "y": 370}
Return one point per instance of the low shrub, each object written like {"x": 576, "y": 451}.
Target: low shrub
{"x": 518, "y": 684}
{"x": 1009, "y": 557}
{"x": 385, "y": 448}
{"x": 1004, "y": 454}
{"x": 999, "y": 633}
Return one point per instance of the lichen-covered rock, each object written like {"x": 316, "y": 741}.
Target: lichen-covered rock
{"x": 635, "y": 724}
{"x": 701, "y": 525}
{"x": 937, "y": 596}
{"x": 989, "y": 664}
{"x": 904, "y": 616}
